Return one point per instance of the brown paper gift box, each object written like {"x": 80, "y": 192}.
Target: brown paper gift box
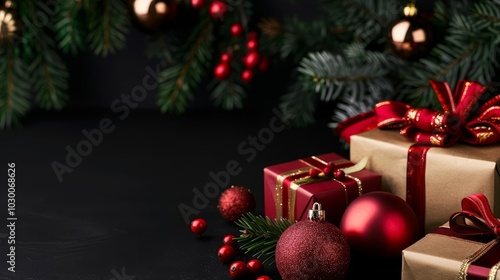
{"x": 439, "y": 256}
{"x": 451, "y": 173}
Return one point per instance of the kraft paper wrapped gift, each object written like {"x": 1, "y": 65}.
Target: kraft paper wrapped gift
{"x": 451, "y": 173}
{"x": 289, "y": 190}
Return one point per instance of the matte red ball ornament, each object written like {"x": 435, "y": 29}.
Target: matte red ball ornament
{"x": 198, "y": 226}
{"x": 236, "y": 29}
{"x": 236, "y": 201}
{"x": 238, "y": 270}
{"x": 247, "y": 75}
{"x": 217, "y": 9}
{"x": 251, "y": 60}
{"x": 226, "y": 253}
{"x": 312, "y": 249}
{"x": 380, "y": 223}
{"x": 255, "y": 266}
{"x": 197, "y": 4}
{"x": 222, "y": 71}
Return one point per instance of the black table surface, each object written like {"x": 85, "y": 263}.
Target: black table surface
{"x": 115, "y": 215}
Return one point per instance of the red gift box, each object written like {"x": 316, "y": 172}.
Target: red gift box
{"x": 290, "y": 190}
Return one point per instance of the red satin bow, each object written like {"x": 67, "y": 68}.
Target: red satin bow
{"x": 431, "y": 127}
{"x": 476, "y": 217}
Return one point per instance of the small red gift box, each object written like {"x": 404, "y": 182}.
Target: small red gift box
{"x": 290, "y": 189}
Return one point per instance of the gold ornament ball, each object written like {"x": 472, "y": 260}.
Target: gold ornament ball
{"x": 149, "y": 15}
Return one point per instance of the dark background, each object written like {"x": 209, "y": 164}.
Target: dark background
{"x": 118, "y": 209}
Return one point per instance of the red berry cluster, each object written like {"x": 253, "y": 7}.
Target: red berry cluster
{"x": 329, "y": 170}
{"x": 217, "y": 9}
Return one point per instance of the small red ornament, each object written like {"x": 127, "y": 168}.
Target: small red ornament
{"x": 198, "y": 226}
{"x": 252, "y": 45}
{"x": 247, "y": 75}
{"x": 226, "y": 253}
{"x": 236, "y": 29}
{"x": 217, "y": 9}
{"x": 264, "y": 64}
{"x": 236, "y": 201}
{"x": 251, "y": 60}
{"x": 225, "y": 57}
{"x": 312, "y": 249}
{"x": 197, "y": 4}
{"x": 328, "y": 171}
{"x": 313, "y": 172}
{"x": 238, "y": 270}
{"x": 255, "y": 266}
{"x": 222, "y": 71}
{"x": 380, "y": 223}
{"x": 339, "y": 174}
{"x": 230, "y": 240}
{"x": 263, "y": 277}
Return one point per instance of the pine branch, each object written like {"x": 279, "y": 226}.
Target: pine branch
{"x": 298, "y": 105}
{"x": 259, "y": 235}
{"x": 107, "y": 24}
{"x": 180, "y": 80}
{"x": 70, "y": 26}
{"x": 162, "y": 47}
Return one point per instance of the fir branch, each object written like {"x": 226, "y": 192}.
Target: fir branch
{"x": 180, "y": 80}
{"x": 70, "y": 26}
{"x": 259, "y": 235}
{"x": 162, "y": 47}
{"x": 298, "y": 106}
{"x": 108, "y": 22}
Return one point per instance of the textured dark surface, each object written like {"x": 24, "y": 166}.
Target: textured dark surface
{"x": 118, "y": 209}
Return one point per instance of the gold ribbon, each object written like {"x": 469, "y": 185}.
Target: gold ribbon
{"x": 462, "y": 274}
{"x": 279, "y": 188}
{"x": 493, "y": 271}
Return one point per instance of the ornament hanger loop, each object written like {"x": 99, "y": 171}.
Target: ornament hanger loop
{"x": 316, "y": 214}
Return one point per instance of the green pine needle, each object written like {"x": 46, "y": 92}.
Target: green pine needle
{"x": 259, "y": 235}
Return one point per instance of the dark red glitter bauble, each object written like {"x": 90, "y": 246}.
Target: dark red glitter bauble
{"x": 236, "y": 201}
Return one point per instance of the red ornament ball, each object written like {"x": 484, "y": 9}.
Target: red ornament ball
{"x": 225, "y": 57}
{"x": 217, "y": 9}
{"x": 380, "y": 223}
{"x": 263, "y": 277}
{"x": 312, "y": 250}
{"x": 222, "y": 71}
{"x": 238, "y": 270}
{"x": 255, "y": 266}
{"x": 252, "y": 45}
{"x": 247, "y": 75}
{"x": 236, "y": 29}
{"x": 411, "y": 38}
{"x": 230, "y": 240}
{"x": 197, "y": 4}
{"x": 236, "y": 201}
{"x": 226, "y": 253}
{"x": 198, "y": 226}
{"x": 252, "y": 59}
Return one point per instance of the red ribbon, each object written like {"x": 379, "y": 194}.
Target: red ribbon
{"x": 431, "y": 127}
{"x": 475, "y": 218}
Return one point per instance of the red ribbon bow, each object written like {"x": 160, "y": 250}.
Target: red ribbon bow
{"x": 476, "y": 217}
{"x": 431, "y": 127}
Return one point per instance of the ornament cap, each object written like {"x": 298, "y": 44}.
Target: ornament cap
{"x": 410, "y": 10}
{"x": 316, "y": 214}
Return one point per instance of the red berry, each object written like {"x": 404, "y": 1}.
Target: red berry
{"x": 230, "y": 240}
{"x": 247, "y": 75}
{"x": 255, "y": 266}
{"x": 313, "y": 172}
{"x": 263, "y": 277}
{"x": 226, "y": 253}
{"x": 236, "y": 29}
{"x": 222, "y": 71}
{"x": 264, "y": 64}
{"x": 327, "y": 170}
{"x": 217, "y": 9}
{"x": 251, "y": 60}
{"x": 252, "y": 45}
{"x": 238, "y": 269}
{"x": 197, "y": 4}
{"x": 198, "y": 226}
{"x": 339, "y": 174}
{"x": 225, "y": 57}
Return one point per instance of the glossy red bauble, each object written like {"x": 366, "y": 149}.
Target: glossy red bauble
{"x": 247, "y": 75}
{"x": 255, "y": 266}
{"x": 217, "y": 9}
{"x": 198, "y": 226}
{"x": 236, "y": 29}
{"x": 238, "y": 270}
{"x": 380, "y": 224}
{"x": 263, "y": 277}
{"x": 251, "y": 60}
{"x": 197, "y": 4}
{"x": 222, "y": 71}
{"x": 226, "y": 253}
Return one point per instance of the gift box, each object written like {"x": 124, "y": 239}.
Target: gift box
{"x": 291, "y": 188}
{"x": 433, "y": 182}
{"x": 456, "y": 250}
